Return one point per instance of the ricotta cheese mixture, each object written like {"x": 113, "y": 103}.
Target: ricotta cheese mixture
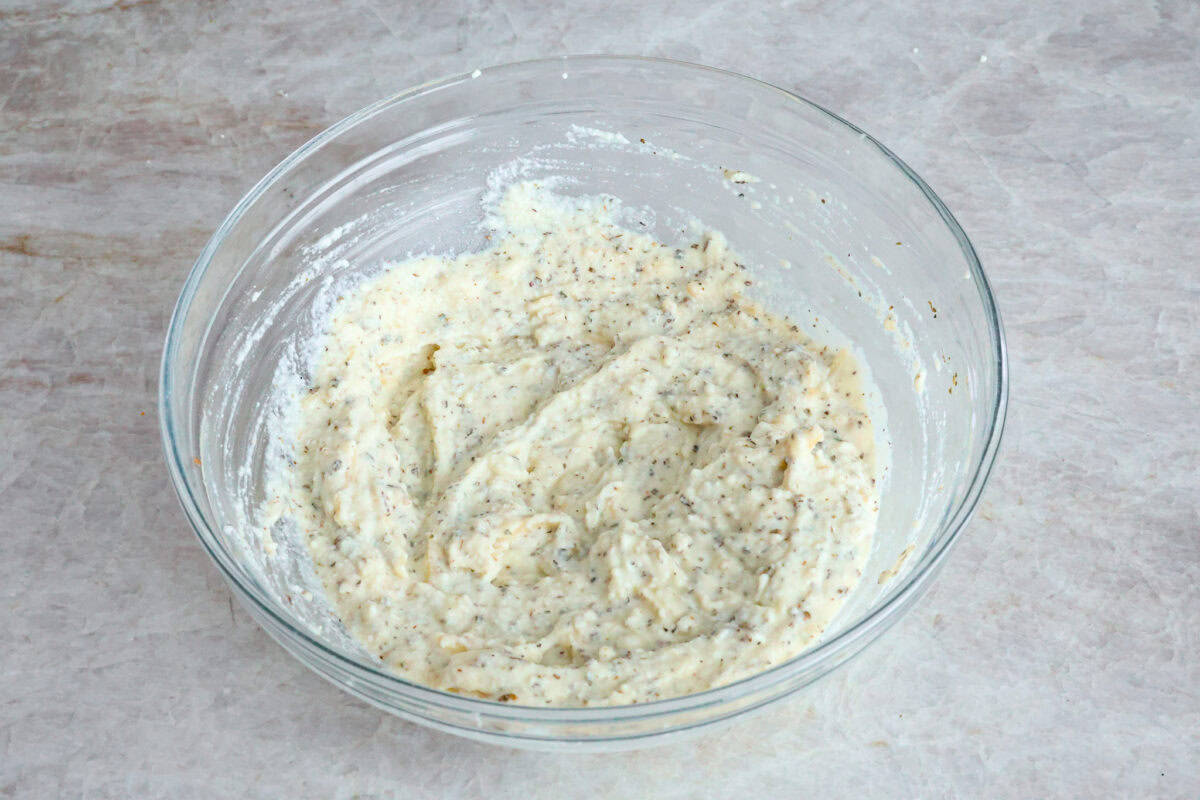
{"x": 579, "y": 468}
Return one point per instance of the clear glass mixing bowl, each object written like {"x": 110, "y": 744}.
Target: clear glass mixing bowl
{"x": 839, "y": 233}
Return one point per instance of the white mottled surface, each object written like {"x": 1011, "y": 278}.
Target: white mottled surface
{"x": 1059, "y": 653}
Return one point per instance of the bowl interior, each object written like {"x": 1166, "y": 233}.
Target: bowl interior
{"x": 837, "y": 234}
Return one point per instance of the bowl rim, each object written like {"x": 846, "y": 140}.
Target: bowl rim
{"x": 824, "y": 650}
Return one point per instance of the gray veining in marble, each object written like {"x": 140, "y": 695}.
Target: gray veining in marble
{"x": 1059, "y": 653}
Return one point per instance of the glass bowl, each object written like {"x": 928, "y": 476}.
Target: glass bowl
{"x": 839, "y": 233}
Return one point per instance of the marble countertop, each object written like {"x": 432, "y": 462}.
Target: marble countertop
{"x": 1057, "y": 655}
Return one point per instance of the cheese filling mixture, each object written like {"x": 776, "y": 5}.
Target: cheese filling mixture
{"x": 579, "y": 468}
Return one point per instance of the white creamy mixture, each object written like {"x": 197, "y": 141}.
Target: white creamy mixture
{"x": 579, "y": 468}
